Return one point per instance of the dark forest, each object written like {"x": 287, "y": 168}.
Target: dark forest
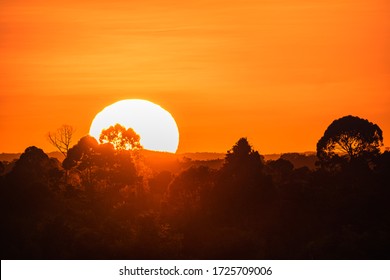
{"x": 103, "y": 201}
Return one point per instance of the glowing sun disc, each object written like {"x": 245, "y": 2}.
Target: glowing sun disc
{"x": 155, "y": 125}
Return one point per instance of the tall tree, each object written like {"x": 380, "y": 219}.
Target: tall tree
{"x": 349, "y": 138}
{"x": 121, "y": 138}
{"x": 62, "y": 138}
{"x": 241, "y": 187}
{"x": 242, "y": 160}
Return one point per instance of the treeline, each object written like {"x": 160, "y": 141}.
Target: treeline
{"x": 105, "y": 203}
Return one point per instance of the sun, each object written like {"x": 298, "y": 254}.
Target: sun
{"x": 155, "y": 125}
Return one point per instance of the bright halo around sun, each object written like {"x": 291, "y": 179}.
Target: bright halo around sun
{"x": 156, "y": 126}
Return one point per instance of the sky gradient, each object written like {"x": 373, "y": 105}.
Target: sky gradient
{"x": 277, "y": 72}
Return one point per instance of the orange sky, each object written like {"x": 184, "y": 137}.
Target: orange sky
{"x": 277, "y": 72}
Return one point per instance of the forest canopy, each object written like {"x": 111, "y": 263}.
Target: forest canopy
{"x": 105, "y": 201}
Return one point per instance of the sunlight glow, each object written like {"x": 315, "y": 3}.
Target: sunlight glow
{"x": 155, "y": 125}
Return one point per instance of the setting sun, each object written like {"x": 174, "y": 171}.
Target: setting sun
{"x": 155, "y": 125}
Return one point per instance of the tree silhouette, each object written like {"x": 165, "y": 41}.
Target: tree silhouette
{"x": 242, "y": 156}
{"x": 82, "y": 154}
{"x": 121, "y": 138}
{"x": 34, "y": 166}
{"x": 62, "y": 138}
{"x": 246, "y": 209}
{"x": 241, "y": 184}
{"x": 243, "y": 165}
{"x": 349, "y": 138}
{"x": 100, "y": 162}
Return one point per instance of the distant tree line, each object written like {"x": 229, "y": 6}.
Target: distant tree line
{"x": 104, "y": 202}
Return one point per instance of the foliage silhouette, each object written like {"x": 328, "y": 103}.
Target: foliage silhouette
{"x": 35, "y": 167}
{"x": 101, "y": 163}
{"x": 107, "y": 208}
{"x": 349, "y": 138}
{"x": 121, "y": 138}
{"x": 242, "y": 188}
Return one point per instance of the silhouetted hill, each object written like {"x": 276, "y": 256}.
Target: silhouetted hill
{"x": 307, "y": 159}
{"x": 215, "y": 160}
{"x": 160, "y": 161}
{"x": 271, "y": 157}
{"x": 203, "y": 156}
{"x": 9, "y": 156}
{"x": 163, "y": 161}
{"x": 214, "y": 156}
